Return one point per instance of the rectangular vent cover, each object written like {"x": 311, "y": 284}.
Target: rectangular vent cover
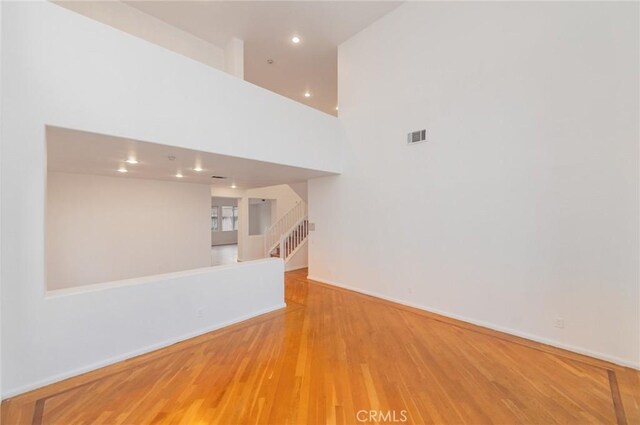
{"x": 417, "y": 136}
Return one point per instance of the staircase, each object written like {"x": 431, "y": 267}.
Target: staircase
{"x": 286, "y": 236}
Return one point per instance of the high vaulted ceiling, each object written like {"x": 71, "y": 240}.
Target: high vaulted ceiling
{"x": 267, "y": 28}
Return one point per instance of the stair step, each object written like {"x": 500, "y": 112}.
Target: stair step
{"x": 293, "y": 239}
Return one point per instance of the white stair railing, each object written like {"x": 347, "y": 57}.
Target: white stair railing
{"x": 283, "y": 226}
{"x": 290, "y": 242}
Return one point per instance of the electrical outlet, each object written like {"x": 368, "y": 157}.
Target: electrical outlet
{"x": 559, "y": 323}
{"x": 199, "y": 313}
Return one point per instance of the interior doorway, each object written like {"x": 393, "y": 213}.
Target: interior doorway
{"x": 224, "y": 230}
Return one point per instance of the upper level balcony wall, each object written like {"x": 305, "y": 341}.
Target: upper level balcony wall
{"x": 82, "y": 74}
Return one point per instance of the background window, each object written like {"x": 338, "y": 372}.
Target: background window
{"x": 224, "y": 218}
{"x": 214, "y": 219}
{"x": 235, "y": 218}
{"x": 227, "y": 218}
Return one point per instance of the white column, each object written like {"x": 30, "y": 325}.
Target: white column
{"x": 234, "y": 58}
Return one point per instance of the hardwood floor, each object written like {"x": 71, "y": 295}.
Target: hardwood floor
{"x": 224, "y": 254}
{"x": 332, "y": 356}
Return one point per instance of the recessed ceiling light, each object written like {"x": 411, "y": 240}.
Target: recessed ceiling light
{"x": 122, "y": 170}
{"x": 295, "y": 39}
{"x": 336, "y": 108}
{"x": 131, "y": 161}
{"x": 179, "y": 175}
{"x": 233, "y": 186}
{"x": 197, "y": 168}
{"x": 307, "y": 94}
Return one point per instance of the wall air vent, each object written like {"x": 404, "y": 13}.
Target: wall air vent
{"x": 417, "y": 137}
{"x": 218, "y": 177}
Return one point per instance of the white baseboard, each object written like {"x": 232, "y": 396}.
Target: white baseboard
{"x": 536, "y": 338}
{"x": 134, "y": 353}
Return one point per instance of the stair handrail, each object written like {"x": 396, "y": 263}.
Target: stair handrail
{"x": 283, "y": 225}
{"x": 292, "y": 240}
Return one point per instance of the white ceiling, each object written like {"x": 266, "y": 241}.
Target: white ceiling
{"x": 267, "y": 27}
{"x": 80, "y": 152}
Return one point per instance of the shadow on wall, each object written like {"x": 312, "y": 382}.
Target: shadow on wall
{"x": 261, "y": 212}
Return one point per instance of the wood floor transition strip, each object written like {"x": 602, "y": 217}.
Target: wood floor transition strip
{"x": 38, "y": 412}
{"x": 621, "y": 417}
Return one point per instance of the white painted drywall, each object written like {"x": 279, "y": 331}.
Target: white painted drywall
{"x": 285, "y": 198}
{"x": 92, "y": 326}
{"x": 164, "y": 98}
{"x": 234, "y": 57}
{"x": 135, "y": 22}
{"x": 63, "y": 69}
{"x": 223, "y": 201}
{"x": 260, "y": 216}
{"x": 301, "y": 189}
{"x": 101, "y": 229}
{"x": 229, "y": 237}
{"x": 523, "y": 204}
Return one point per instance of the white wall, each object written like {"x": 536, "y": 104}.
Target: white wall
{"x": 260, "y": 216}
{"x": 285, "y": 198}
{"x": 101, "y": 229}
{"x": 62, "y": 69}
{"x": 234, "y": 57}
{"x": 135, "y": 22}
{"x": 164, "y": 98}
{"x": 229, "y": 237}
{"x": 96, "y": 325}
{"x": 301, "y": 189}
{"x": 523, "y": 205}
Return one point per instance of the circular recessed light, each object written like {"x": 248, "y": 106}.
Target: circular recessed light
{"x": 336, "y": 108}
{"x": 295, "y": 39}
{"x": 198, "y": 169}
{"x": 233, "y": 186}
{"x": 131, "y": 161}
{"x": 307, "y": 94}
{"x": 179, "y": 175}
{"x": 122, "y": 170}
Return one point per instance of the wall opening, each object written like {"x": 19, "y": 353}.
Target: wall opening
{"x": 119, "y": 209}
